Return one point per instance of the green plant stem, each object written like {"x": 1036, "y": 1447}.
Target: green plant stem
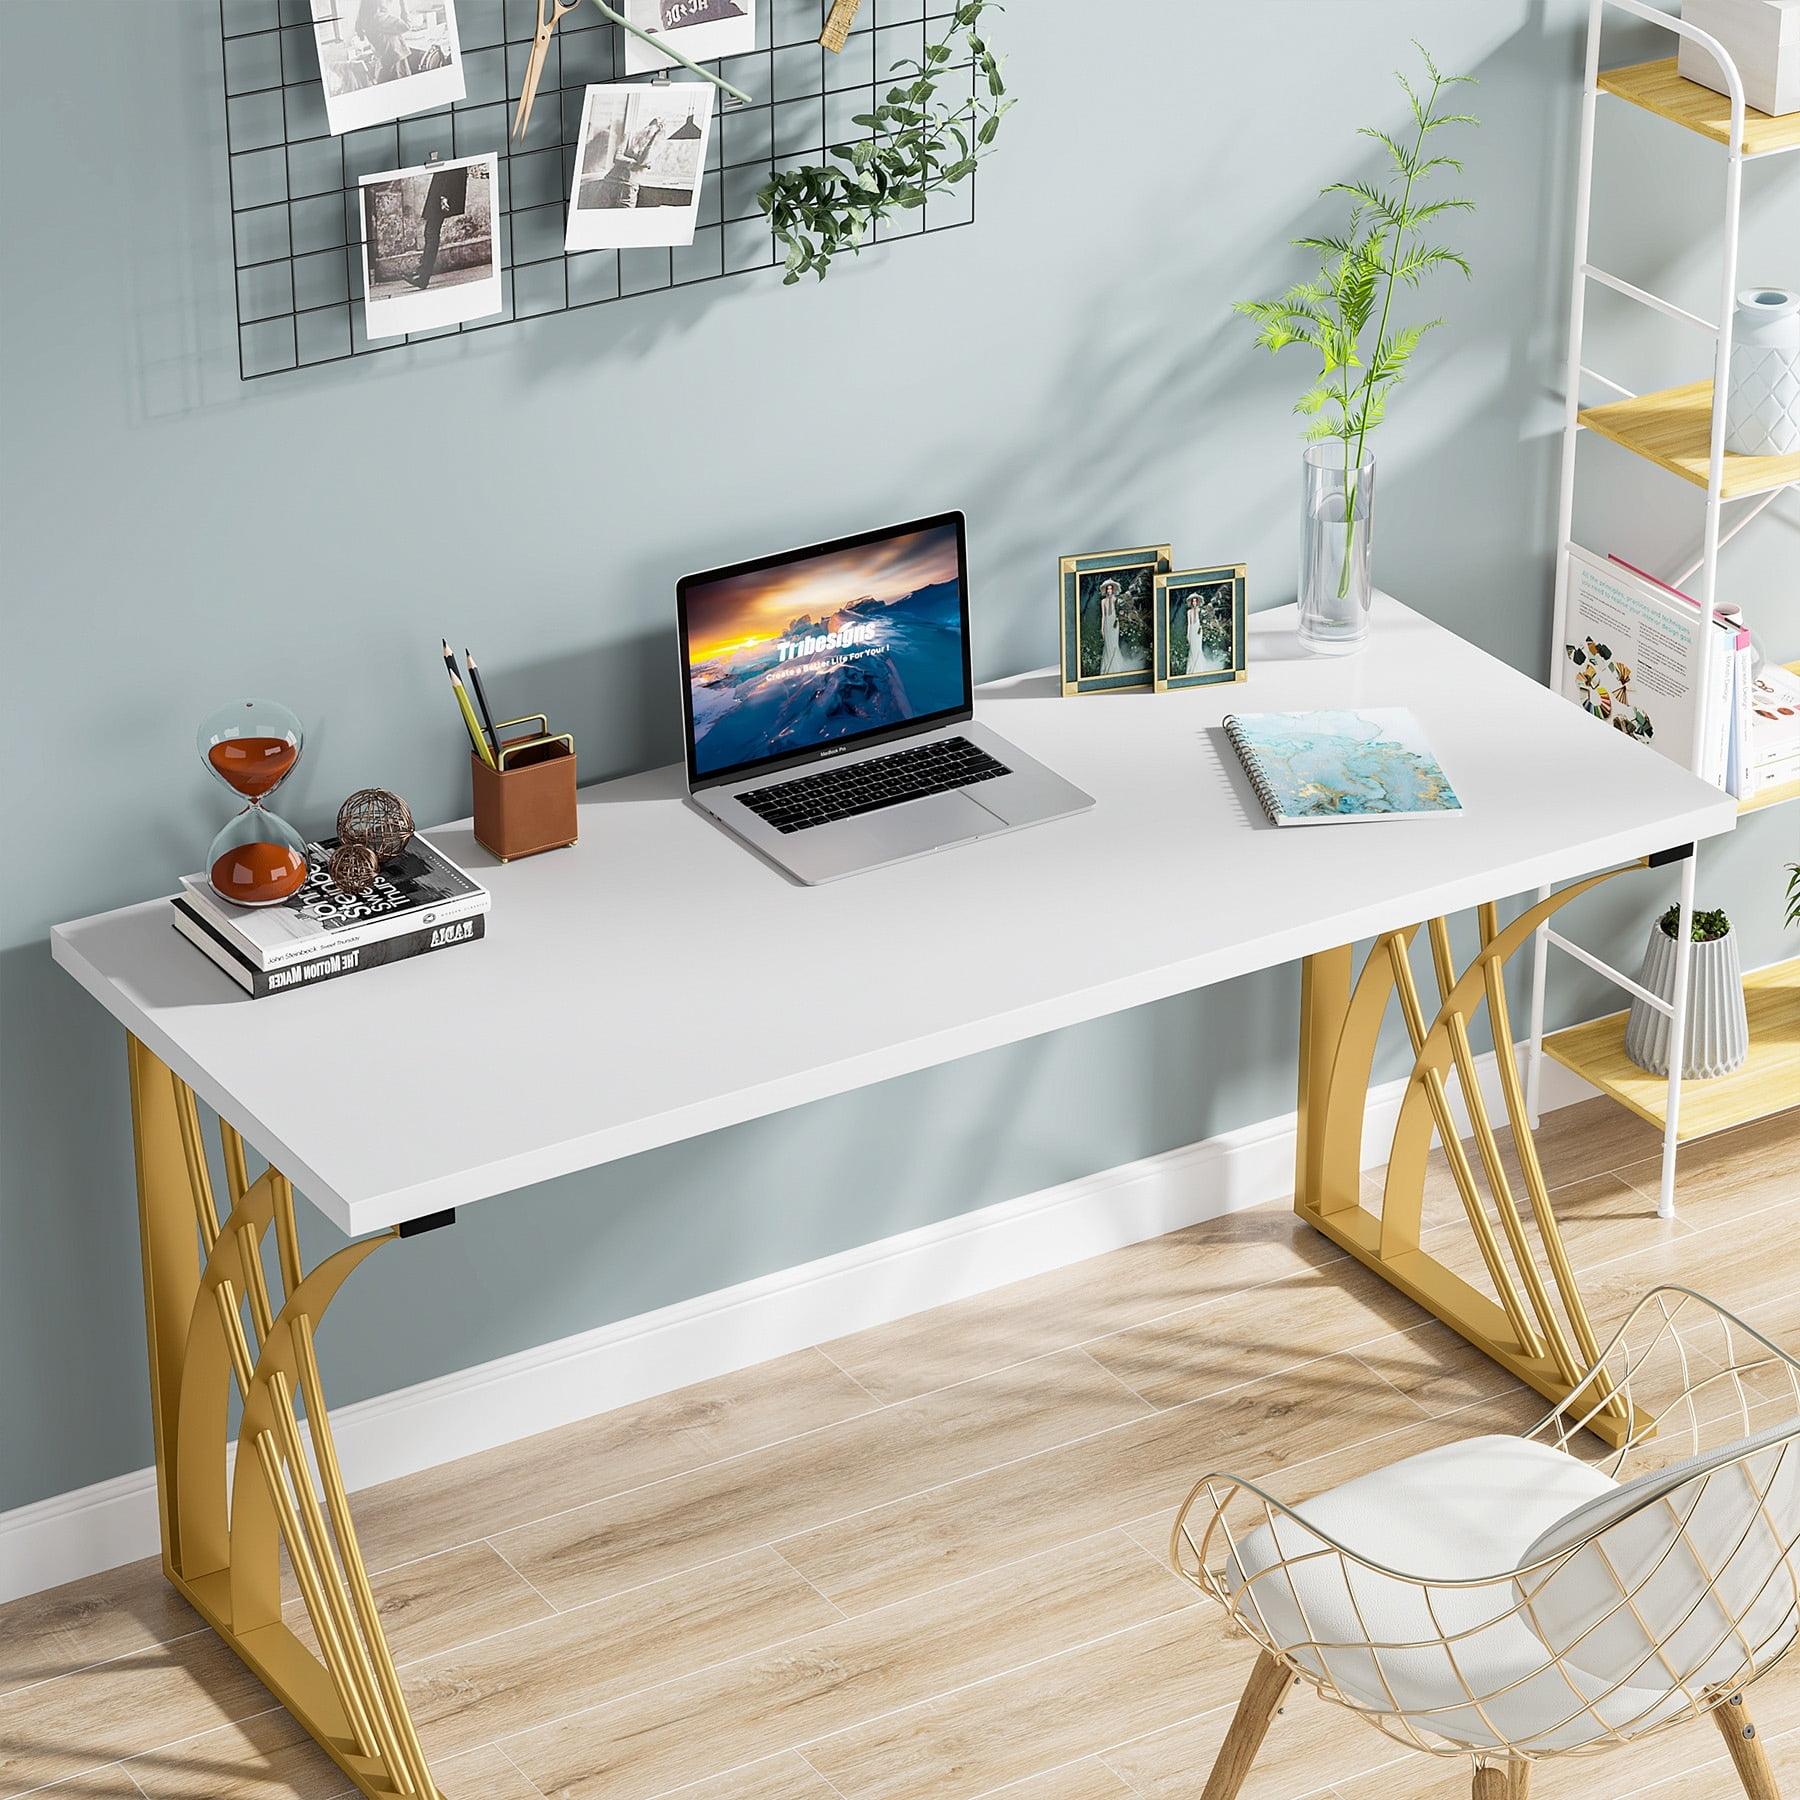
{"x": 1362, "y": 432}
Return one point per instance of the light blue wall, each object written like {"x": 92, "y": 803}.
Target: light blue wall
{"x": 1068, "y": 371}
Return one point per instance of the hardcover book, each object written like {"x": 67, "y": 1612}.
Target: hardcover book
{"x": 419, "y": 887}
{"x": 1317, "y": 768}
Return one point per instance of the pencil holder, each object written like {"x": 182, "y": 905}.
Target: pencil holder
{"x": 527, "y": 804}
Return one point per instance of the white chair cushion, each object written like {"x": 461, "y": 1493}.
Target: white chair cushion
{"x": 1463, "y": 1512}
{"x": 1704, "y": 1547}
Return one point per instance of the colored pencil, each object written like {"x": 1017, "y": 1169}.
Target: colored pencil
{"x": 468, "y": 712}
{"x": 481, "y": 700}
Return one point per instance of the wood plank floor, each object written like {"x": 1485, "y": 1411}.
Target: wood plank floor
{"x": 926, "y": 1562}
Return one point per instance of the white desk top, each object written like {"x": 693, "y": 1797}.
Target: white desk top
{"x": 658, "y": 981}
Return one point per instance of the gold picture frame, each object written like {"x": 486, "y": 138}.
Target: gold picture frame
{"x": 1214, "y": 601}
{"x": 1102, "y": 646}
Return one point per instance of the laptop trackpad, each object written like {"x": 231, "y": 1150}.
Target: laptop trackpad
{"x": 920, "y": 825}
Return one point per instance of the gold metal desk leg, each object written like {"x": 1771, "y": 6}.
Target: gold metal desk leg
{"x": 212, "y": 1321}
{"x": 1536, "y": 1326}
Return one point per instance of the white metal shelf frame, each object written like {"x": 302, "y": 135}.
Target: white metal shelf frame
{"x": 1714, "y": 534}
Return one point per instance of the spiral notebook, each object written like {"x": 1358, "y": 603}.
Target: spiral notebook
{"x": 1317, "y": 768}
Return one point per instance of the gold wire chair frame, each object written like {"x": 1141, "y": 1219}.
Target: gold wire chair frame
{"x": 1196, "y": 1540}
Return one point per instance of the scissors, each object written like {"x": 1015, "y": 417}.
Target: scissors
{"x": 549, "y": 15}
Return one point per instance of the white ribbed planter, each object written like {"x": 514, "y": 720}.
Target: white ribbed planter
{"x": 1718, "y": 1034}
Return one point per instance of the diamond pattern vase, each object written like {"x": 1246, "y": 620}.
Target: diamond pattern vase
{"x": 1762, "y": 408}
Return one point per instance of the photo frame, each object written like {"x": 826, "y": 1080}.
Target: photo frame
{"x": 1108, "y": 625}
{"x": 1200, "y": 618}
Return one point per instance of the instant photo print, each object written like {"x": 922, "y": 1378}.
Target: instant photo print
{"x": 639, "y": 165}
{"x": 703, "y": 30}
{"x": 386, "y": 59}
{"x": 430, "y": 253}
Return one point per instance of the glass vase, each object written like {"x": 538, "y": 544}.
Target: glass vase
{"x": 1337, "y": 526}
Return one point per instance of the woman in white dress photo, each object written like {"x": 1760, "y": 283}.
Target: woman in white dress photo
{"x": 1196, "y": 648}
{"x": 1112, "y": 658}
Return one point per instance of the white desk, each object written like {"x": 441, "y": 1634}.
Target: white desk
{"x": 661, "y": 982}
{"x": 658, "y": 981}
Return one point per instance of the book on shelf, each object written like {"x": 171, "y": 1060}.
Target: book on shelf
{"x": 418, "y": 888}
{"x": 1771, "y": 775}
{"x": 1774, "y": 715}
{"x": 1635, "y": 654}
{"x": 1321, "y": 768}
{"x": 335, "y": 961}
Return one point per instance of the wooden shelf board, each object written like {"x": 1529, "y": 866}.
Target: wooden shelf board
{"x": 1775, "y": 796}
{"x": 1658, "y": 87}
{"x": 1673, "y": 429}
{"x": 1769, "y": 1081}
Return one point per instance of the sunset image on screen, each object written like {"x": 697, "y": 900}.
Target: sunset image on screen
{"x": 825, "y": 647}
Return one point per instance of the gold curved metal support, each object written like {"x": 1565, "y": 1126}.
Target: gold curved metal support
{"x": 255, "y": 1566}
{"x": 212, "y": 1320}
{"x": 1524, "y": 1328}
{"x": 1438, "y": 1096}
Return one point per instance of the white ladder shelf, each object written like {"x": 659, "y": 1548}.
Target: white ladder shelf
{"x": 1682, "y": 431}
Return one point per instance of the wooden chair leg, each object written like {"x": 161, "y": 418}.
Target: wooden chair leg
{"x": 1518, "y": 1781}
{"x": 1263, "y": 1693}
{"x": 1748, "y": 1757}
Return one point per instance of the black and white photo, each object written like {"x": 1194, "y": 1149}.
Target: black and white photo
{"x": 701, "y": 29}
{"x": 385, "y": 59}
{"x": 639, "y": 165}
{"x": 430, "y": 253}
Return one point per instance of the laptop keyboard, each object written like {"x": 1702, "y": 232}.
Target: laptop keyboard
{"x": 846, "y": 791}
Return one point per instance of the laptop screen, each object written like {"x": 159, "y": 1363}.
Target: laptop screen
{"x": 842, "y": 644}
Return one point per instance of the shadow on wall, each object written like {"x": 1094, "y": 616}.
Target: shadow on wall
{"x": 72, "y": 1410}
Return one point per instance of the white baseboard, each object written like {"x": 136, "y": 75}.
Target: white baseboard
{"x": 71, "y": 1535}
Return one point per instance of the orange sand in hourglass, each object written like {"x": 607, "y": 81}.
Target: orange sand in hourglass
{"x": 256, "y": 873}
{"x": 252, "y": 766}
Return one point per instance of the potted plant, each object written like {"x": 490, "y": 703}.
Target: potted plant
{"x": 1718, "y": 1028}
{"x": 1346, "y": 317}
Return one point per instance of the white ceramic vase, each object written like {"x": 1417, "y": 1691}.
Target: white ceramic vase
{"x": 1718, "y": 1029}
{"x": 1762, "y": 408}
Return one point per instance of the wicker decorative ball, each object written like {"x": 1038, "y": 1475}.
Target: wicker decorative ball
{"x": 354, "y": 868}
{"x": 374, "y": 817}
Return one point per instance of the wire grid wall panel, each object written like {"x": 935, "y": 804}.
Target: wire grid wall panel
{"x": 294, "y": 187}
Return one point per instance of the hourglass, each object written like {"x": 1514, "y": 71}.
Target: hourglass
{"x": 259, "y": 859}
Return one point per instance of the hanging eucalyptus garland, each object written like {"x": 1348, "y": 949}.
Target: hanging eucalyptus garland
{"x": 918, "y": 145}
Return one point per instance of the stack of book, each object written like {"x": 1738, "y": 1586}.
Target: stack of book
{"x": 421, "y": 901}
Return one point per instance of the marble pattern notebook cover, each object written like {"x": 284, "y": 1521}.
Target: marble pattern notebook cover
{"x": 1316, "y": 768}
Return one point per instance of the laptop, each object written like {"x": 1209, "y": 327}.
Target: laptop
{"x": 829, "y": 706}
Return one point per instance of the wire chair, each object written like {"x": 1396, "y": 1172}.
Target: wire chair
{"x": 1553, "y": 1600}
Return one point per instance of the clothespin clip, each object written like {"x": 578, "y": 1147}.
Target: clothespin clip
{"x": 837, "y": 28}
{"x": 434, "y": 157}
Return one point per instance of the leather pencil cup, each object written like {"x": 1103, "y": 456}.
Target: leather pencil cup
{"x": 527, "y": 804}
